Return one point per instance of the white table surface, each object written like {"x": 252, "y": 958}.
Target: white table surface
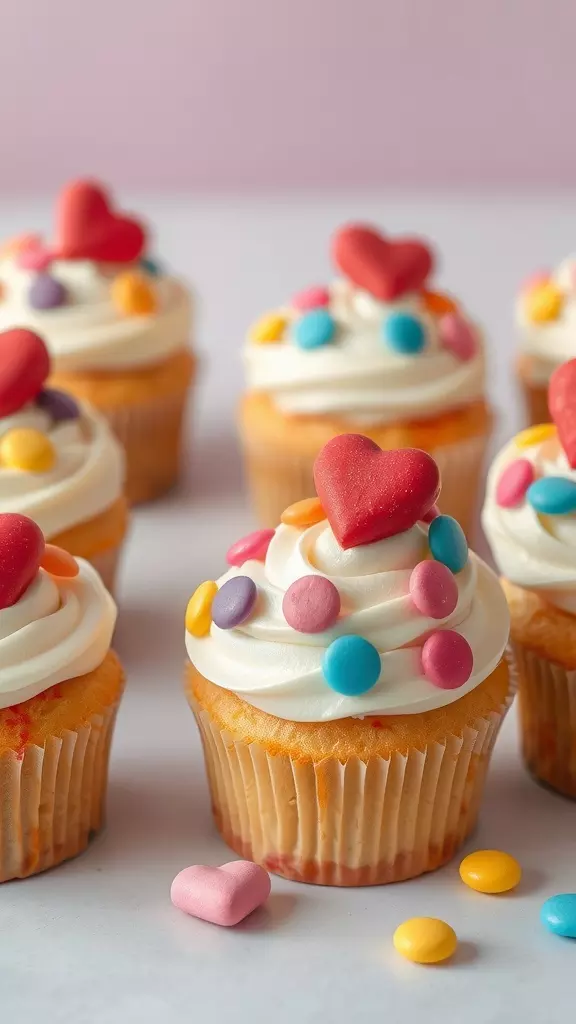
{"x": 97, "y": 940}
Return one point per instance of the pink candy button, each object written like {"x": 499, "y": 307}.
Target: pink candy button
{"x": 311, "y": 604}
{"x": 433, "y": 589}
{"x": 447, "y": 659}
{"x": 224, "y": 895}
{"x": 457, "y": 336}
{"x": 514, "y": 482}
{"x": 311, "y": 298}
{"x": 254, "y": 545}
{"x": 35, "y": 257}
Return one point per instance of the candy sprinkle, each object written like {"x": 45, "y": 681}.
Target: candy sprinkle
{"x": 58, "y": 562}
{"x": 311, "y": 604}
{"x": 425, "y": 940}
{"x": 438, "y": 304}
{"x": 46, "y": 292}
{"x": 448, "y": 542}
{"x": 270, "y": 328}
{"x": 553, "y": 496}
{"x": 535, "y": 435}
{"x": 199, "y": 610}
{"x": 543, "y": 303}
{"x": 133, "y": 295}
{"x": 351, "y": 665}
{"x": 304, "y": 513}
{"x": 28, "y": 450}
{"x": 404, "y": 334}
{"x": 234, "y": 602}
{"x": 312, "y": 298}
{"x": 433, "y": 589}
{"x": 490, "y": 871}
{"x": 514, "y": 482}
{"x": 315, "y": 329}
{"x": 255, "y": 545}
{"x": 447, "y": 659}
{"x": 558, "y": 914}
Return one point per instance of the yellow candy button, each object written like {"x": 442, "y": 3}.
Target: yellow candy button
{"x": 269, "y": 329}
{"x": 307, "y": 512}
{"x": 490, "y": 871}
{"x": 535, "y": 435}
{"x": 133, "y": 295}
{"x": 543, "y": 302}
{"x": 27, "y": 449}
{"x": 425, "y": 940}
{"x": 199, "y": 610}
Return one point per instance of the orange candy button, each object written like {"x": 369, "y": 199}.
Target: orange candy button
{"x": 133, "y": 295}
{"x": 439, "y": 304}
{"x": 58, "y": 562}
{"x": 303, "y": 513}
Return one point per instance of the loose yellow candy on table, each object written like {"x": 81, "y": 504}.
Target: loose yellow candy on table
{"x": 307, "y": 512}
{"x": 535, "y": 435}
{"x": 133, "y": 295}
{"x": 27, "y": 449}
{"x": 543, "y": 302}
{"x": 268, "y": 329}
{"x": 199, "y": 610}
{"x": 425, "y": 940}
{"x": 490, "y": 871}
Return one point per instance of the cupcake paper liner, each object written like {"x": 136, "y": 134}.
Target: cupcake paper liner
{"x": 357, "y": 823}
{"x": 52, "y": 798}
{"x": 547, "y": 703}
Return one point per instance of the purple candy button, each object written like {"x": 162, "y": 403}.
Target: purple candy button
{"x": 234, "y": 602}
{"x": 46, "y": 292}
{"x": 59, "y": 406}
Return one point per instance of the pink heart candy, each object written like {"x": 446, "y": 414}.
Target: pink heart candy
{"x": 311, "y": 298}
{"x": 458, "y": 336}
{"x": 224, "y": 895}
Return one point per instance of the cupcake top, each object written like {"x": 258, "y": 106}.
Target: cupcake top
{"x": 364, "y": 601}
{"x": 59, "y": 462}
{"x": 56, "y": 617}
{"x": 94, "y": 293}
{"x": 546, "y": 319}
{"x": 375, "y": 346}
{"x": 529, "y": 515}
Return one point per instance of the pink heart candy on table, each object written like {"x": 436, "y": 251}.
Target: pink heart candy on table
{"x": 224, "y": 895}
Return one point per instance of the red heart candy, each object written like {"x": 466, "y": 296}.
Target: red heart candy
{"x": 369, "y": 494}
{"x": 21, "y": 548}
{"x": 88, "y": 229}
{"x": 562, "y": 406}
{"x": 24, "y": 366}
{"x": 385, "y": 269}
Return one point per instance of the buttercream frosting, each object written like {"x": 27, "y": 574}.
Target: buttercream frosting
{"x": 550, "y": 343}
{"x": 58, "y": 630}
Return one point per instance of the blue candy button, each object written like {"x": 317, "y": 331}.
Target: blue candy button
{"x": 553, "y": 496}
{"x": 151, "y": 266}
{"x": 558, "y": 914}
{"x": 448, "y": 543}
{"x": 351, "y": 665}
{"x": 404, "y": 333}
{"x": 314, "y": 329}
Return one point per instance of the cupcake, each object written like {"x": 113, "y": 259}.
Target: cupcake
{"x": 546, "y": 324}
{"x": 60, "y": 464}
{"x": 376, "y": 351}
{"x": 347, "y": 677}
{"x": 117, "y": 326}
{"x": 529, "y": 519}
{"x": 59, "y": 690}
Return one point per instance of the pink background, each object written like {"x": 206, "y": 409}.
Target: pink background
{"x": 247, "y": 93}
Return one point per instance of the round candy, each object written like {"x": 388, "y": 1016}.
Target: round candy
{"x": 438, "y": 304}
{"x": 311, "y": 298}
{"x": 448, "y": 543}
{"x": 35, "y": 257}
{"x": 59, "y": 405}
{"x": 311, "y": 604}
{"x": 351, "y": 665}
{"x": 425, "y": 940}
{"x": 151, "y": 266}
{"x": 535, "y": 435}
{"x": 254, "y": 545}
{"x": 543, "y": 303}
{"x": 404, "y": 334}
{"x": 133, "y": 295}
{"x": 304, "y": 513}
{"x": 553, "y": 496}
{"x": 199, "y": 611}
{"x": 58, "y": 562}
{"x": 234, "y": 602}
{"x": 490, "y": 871}
{"x": 46, "y": 292}
{"x": 268, "y": 329}
{"x": 433, "y": 589}
{"x": 314, "y": 329}
{"x": 24, "y": 366}
{"x": 558, "y": 914}
{"x": 447, "y": 659}
{"x": 514, "y": 482}
{"x": 27, "y": 449}
{"x": 457, "y": 336}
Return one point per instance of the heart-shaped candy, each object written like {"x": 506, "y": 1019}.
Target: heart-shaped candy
{"x": 21, "y": 549}
{"x": 562, "y": 406}
{"x": 87, "y": 228}
{"x": 24, "y": 366}
{"x": 224, "y": 895}
{"x": 369, "y": 494}
{"x": 385, "y": 269}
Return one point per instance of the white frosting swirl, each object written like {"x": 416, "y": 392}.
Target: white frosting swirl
{"x": 552, "y": 342}
{"x": 533, "y": 550}
{"x": 59, "y": 629}
{"x": 278, "y": 670}
{"x": 86, "y": 479}
{"x": 88, "y": 332}
{"x": 358, "y": 377}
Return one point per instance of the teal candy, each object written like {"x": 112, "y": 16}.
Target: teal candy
{"x": 553, "y": 496}
{"x": 314, "y": 329}
{"x": 558, "y": 914}
{"x": 351, "y": 665}
{"x": 404, "y": 333}
{"x": 448, "y": 543}
{"x": 151, "y": 266}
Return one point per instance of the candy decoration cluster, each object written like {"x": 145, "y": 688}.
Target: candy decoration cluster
{"x": 518, "y": 482}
